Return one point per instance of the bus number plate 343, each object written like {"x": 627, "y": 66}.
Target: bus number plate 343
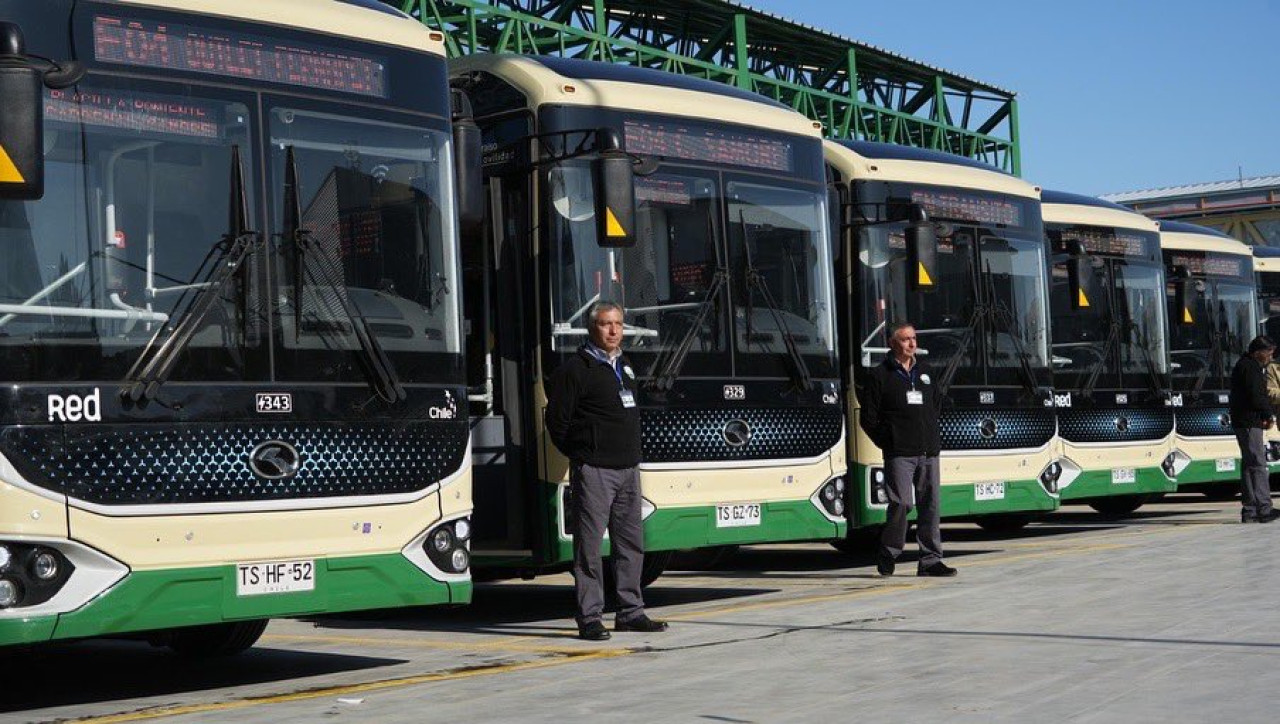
{"x": 266, "y": 577}
{"x": 734, "y": 516}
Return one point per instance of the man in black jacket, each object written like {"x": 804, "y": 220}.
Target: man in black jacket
{"x": 592, "y": 418}
{"x": 1251, "y": 415}
{"x": 900, "y": 405}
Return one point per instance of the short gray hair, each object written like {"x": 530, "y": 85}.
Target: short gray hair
{"x": 600, "y": 308}
{"x": 898, "y": 327}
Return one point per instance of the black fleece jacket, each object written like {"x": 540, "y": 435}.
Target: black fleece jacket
{"x": 1249, "y": 403}
{"x": 585, "y": 416}
{"x": 900, "y": 429}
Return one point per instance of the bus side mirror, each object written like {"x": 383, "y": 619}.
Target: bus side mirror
{"x": 21, "y": 120}
{"x": 615, "y": 193}
{"x": 1184, "y": 295}
{"x": 922, "y": 251}
{"x": 468, "y": 176}
{"x": 1077, "y": 272}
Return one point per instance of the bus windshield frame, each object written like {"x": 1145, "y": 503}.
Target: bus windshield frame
{"x": 718, "y": 205}
{"x": 1224, "y": 315}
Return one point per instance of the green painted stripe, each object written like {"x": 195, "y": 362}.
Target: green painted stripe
{"x": 1097, "y": 484}
{"x": 1205, "y": 471}
{"x": 958, "y": 500}
{"x": 149, "y": 600}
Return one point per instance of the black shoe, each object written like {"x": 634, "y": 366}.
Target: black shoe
{"x": 1249, "y": 518}
{"x": 884, "y": 564}
{"x": 643, "y": 624}
{"x": 939, "y": 569}
{"x": 593, "y": 631}
{"x": 1269, "y": 516}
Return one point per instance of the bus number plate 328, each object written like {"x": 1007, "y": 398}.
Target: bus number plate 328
{"x": 734, "y": 516}
{"x": 266, "y": 577}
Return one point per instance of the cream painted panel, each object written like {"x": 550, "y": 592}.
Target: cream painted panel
{"x": 712, "y": 486}
{"x": 859, "y": 168}
{"x": 1005, "y": 466}
{"x": 455, "y": 498}
{"x": 1266, "y": 264}
{"x": 318, "y": 15}
{"x": 1180, "y": 241}
{"x": 1118, "y": 456}
{"x": 1096, "y": 216}
{"x": 200, "y": 540}
{"x": 1201, "y": 449}
{"x": 25, "y": 513}
{"x": 542, "y": 86}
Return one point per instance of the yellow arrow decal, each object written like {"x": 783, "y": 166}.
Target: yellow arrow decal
{"x": 611, "y": 226}
{"x": 923, "y": 276}
{"x": 1084, "y": 301}
{"x": 9, "y": 173}
{"x": 1186, "y": 315}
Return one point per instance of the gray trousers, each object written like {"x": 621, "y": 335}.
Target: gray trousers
{"x": 912, "y": 482}
{"x": 1255, "y": 488}
{"x": 606, "y": 497}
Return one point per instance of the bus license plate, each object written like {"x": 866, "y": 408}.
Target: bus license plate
{"x": 1225, "y": 465}
{"x": 988, "y": 491}
{"x": 1121, "y": 476}
{"x": 256, "y": 579}
{"x": 734, "y": 516}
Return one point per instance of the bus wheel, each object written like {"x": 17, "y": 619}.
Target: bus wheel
{"x": 1119, "y": 506}
{"x": 219, "y": 639}
{"x": 1220, "y": 491}
{"x": 654, "y": 565}
{"x": 1004, "y": 522}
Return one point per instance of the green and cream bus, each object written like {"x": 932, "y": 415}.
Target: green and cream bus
{"x": 230, "y": 323}
{"x": 958, "y": 249}
{"x": 1110, "y": 352}
{"x": 702, "y": 210}
{"x": 1212, "y": 296}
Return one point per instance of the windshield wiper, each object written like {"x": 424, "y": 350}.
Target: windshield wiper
{"x": 753, "y": 278}
{"x": 666, "y": 378}
{"x": 1000, "y": 313}
{"x": 1095, "y": 372}
{"x": 228, "y": 255}
{"x": 377, "y": 365}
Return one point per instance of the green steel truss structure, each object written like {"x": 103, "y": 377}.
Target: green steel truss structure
{"x": 856, "y": 90}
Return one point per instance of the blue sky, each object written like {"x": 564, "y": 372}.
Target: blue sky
{"x": 1112, "y": 96}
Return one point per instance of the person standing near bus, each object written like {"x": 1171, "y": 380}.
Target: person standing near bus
{"x": 1251, "y": 416}
{"x": 593, "y": 420}
{"x": 900, "y": 406}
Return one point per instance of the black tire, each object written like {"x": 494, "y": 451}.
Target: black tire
{"x": 654, "y": 565}
{"x": 1004, "y": 522}
{"x": 1118, "y": 506}
{"x": 1220, "y": 491}
{"x": 219, "y": 639}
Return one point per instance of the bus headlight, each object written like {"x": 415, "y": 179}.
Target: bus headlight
{"x": 462, "y": 529}
{"x": 5, "y": 557}
{"x": 1174, "y": 463}
{"x": 446, "y": 546}
{"x": 460, "y": 559}
{"x": 1273, "y": 451}
{"x": 9, "y": 593}
{"x": 831, "y": 497}
{"x": 879, "y": 495}
{"x": 442, "y": 540}
{"x": 44, "y": 566}
{"x": 1049, "y": 476}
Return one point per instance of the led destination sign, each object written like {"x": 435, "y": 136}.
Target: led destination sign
{"x": 136, "y": 112}
{"x": 1206, "y": 264}
{"x": 187, "y": 48}
{"x": 958, "y": 206}
{"x": 1110, "y": 242}
{"x": 710, "y": 145}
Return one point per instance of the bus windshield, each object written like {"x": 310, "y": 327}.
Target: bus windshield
{"x": 761, "y": 241}
{"x": 137, "y": 196}
{"x": 1224, "y": 318}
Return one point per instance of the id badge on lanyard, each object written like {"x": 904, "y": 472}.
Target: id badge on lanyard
{"x": 627, "y": 396}
{"x": 915, "y": 397}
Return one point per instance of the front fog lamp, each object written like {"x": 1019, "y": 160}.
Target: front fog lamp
{"x": 460, "y": 559}
{"x": 442, "y": 540}
{"x": 9, "y": 593}
{"x": 879, "y": 495}
{"x": 1049, "y": 477}
{"x": 44, "y": 566}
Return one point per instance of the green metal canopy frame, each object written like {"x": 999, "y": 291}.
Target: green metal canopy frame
{"x": 857, "y": 91}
